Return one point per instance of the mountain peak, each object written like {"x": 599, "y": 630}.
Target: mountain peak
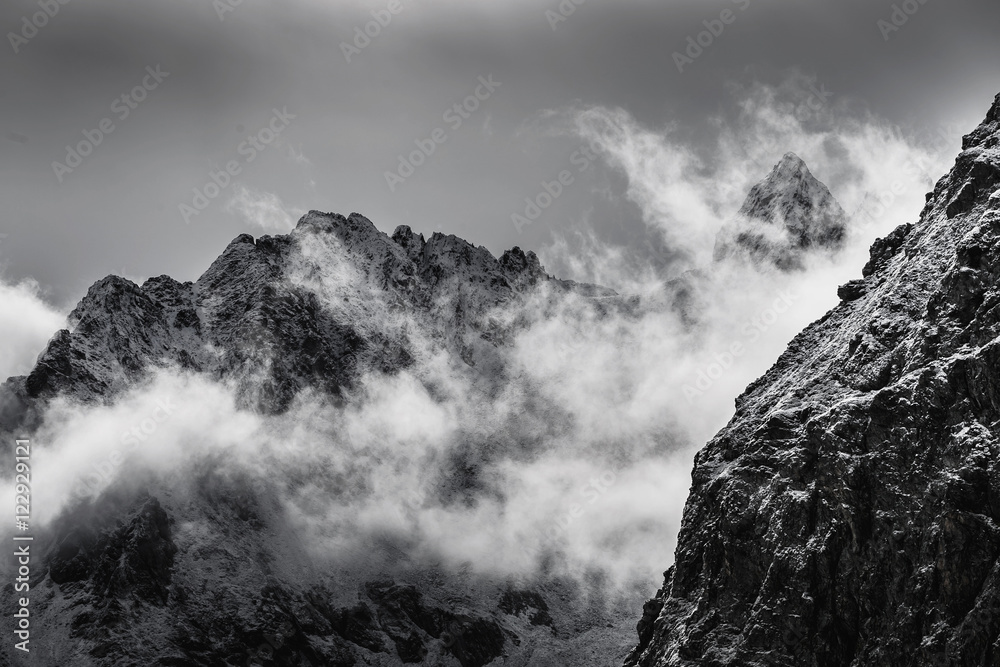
{"x": 986, "y": 135}
{"x": 265, "y": 291}
{"x": 786, "y": 215}
{"x": 789, "y": 177}
{"x": 791, "y": 164}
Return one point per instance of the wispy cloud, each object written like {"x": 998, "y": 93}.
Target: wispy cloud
{"x": 567, "y": 450}
{"x": 27, "y": 323}
{"x": 263, "y": 209}
{"x": 686, "y": 191}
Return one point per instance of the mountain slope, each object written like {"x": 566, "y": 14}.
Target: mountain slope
{"x": 848, "y": 514}
{"x": 206, "y": 562}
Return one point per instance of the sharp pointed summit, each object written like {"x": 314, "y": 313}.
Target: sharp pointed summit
{"x": 791, "y": 165}
{"x": 786, "y": 215}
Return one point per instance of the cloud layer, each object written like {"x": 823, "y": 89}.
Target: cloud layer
{"x": 570, "y": 454}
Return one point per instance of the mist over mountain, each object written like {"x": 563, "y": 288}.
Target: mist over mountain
{"x": 344, "y": 446}
{"x": 661, "y": 335}
{"x": 341, "y": 446}
{"x": 785, "y": 215}
{"x": 847, "y": 513}
{"x": 286, "y": 437}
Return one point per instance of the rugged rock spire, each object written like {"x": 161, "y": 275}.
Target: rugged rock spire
{"x": 784, "y": 216}
{"x": 849, "y": 514}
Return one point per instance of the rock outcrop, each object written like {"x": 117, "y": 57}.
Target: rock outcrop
{"x": 849, "y": 514}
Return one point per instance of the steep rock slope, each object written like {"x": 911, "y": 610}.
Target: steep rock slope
{"x": 787, "y": 214}
{"x": 848, "y": 514}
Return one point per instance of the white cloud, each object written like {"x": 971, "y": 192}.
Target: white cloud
{"x": 27, "y": 323}
{"x": 686, "y": 194}
{"x": 263, "y": 209}
{"x": 579, "y": 453}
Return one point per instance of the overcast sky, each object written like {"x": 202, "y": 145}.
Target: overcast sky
{"x": 222, "y": 75}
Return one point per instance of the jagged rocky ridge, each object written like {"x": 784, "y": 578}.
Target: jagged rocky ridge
{"x": 258, "y": 315}
{"x": 848, "y": 514}
{"x": 127, "y": 577}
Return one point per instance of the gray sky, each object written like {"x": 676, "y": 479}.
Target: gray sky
{"x": 118, "y": 211}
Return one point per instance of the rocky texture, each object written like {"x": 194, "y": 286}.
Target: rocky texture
{"x": 214, "y": 578}
{"x": 786, "y": 215}
{"x": 132, "y": 558}
{"x": 128, "y": 580}
{"x": 849, "y": 514}
{"x": 206, "y": 570}
{"x": 263, "y": 314}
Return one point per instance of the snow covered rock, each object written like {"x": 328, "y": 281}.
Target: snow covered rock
{"x": 786, "y": 215}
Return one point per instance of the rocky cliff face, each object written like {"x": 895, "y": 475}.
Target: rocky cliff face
{"x": 786, "y": 215}
{"x": 849, "y": 514}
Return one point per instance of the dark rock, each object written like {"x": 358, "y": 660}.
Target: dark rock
{"x": 529, "y": 603}
{"x": 650, "y": 612}
{"x": 847, "y": 515}
{"x": 137, "y": 557}
{"x": 885, "y": 249}
{"x": 475, "y": 642}
{"x": 358, "y": 625}
{"x": 851, "y": 291}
